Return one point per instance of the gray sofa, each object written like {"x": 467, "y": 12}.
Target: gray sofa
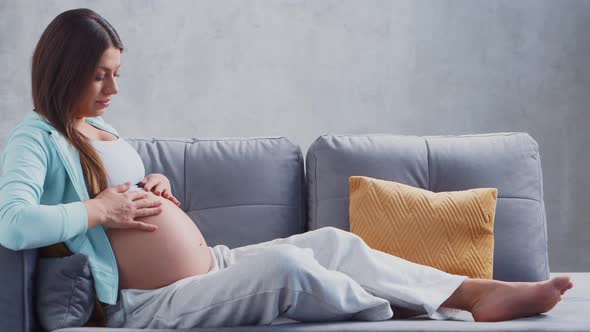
{"x": 243, "y": 191}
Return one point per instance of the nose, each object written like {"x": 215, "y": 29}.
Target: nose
{"x": 111, "y": 87}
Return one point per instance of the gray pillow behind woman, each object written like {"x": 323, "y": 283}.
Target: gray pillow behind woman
{"x": 65, "y": 289}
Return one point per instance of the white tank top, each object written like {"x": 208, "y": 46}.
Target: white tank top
{"x": 122, "y": 163}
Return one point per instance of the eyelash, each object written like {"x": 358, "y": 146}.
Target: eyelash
{"x": 102, "y": 78}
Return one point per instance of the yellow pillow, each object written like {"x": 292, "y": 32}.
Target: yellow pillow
{"x": 451, "y": 231}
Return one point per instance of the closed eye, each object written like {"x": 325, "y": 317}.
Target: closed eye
{"x": 100, "y": 78}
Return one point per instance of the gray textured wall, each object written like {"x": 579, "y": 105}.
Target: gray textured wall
{"x": 303, "y": 68}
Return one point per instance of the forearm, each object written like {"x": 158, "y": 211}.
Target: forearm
{"x": 26, "y": 226}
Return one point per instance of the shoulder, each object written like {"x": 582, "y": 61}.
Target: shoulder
{"x": 28, "y": 141}
{"x": 32, "y": 127}
{"x": 27, "y": 133}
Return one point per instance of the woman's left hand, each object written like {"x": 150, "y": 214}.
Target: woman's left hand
{"x": 160, "y": 185}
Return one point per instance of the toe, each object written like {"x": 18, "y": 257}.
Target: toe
{"x": 561, "y": 282}
{"x": 567, "y": 287}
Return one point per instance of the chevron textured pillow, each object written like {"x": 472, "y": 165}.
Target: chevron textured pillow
{"x": 451, "y": 231}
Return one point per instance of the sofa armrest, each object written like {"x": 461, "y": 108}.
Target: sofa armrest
{"x": 17, "y": 281}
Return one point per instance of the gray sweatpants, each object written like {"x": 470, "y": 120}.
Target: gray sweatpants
{"x": 321, "y": 275}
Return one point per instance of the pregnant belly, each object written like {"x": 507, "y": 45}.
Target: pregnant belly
{"x": 150, "y": 260}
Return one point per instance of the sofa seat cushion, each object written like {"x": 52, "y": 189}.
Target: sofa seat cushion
{"x": 571, "y": 314}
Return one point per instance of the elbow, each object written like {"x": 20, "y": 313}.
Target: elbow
{"x": 12, "y": 238}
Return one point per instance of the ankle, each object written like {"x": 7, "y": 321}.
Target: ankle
{"x": 466, "y": 295}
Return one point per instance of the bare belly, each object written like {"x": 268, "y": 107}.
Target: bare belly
{"x": 150, "y": 260}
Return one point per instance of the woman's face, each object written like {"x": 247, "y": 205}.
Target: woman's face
{"x": 102, "y": 87}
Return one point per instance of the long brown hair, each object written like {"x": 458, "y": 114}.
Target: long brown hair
{"x": 63, "y": 65}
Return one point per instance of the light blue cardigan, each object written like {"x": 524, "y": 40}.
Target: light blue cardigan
{"x": 42, "y": 188}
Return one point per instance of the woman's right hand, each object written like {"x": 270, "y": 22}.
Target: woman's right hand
{"x": 116, "y": 208}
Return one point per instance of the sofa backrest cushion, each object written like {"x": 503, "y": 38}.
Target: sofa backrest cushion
{"x": 509, "y": 162}
{"x": 238, "y": 191}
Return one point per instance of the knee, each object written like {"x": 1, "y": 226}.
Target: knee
{"x": 333, "y": 232}
{"x": 329, "y": 231}
{"x": 336, "y": 237}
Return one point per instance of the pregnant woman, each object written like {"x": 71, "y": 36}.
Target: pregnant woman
{"x": 69, "y": 177}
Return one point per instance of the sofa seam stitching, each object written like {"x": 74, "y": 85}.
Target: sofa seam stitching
{"x": 543, "y": 212}
{"x": 499, "y": 197}
{"x": 315, "y": 187}
{"x": 240, "y": 205}
{"x": 450, "y": 136}
{"x": 197, "y": 140}
{"x": 24, "y": 294}
{"x": 185, "y": 182}
{"x": 70, "y": 300}
{"x": 302, "y": 205}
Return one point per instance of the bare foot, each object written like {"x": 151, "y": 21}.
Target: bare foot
{"x": 498, "y": 301}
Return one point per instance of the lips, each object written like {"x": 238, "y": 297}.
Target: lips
{"x": 104, "y": 102}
